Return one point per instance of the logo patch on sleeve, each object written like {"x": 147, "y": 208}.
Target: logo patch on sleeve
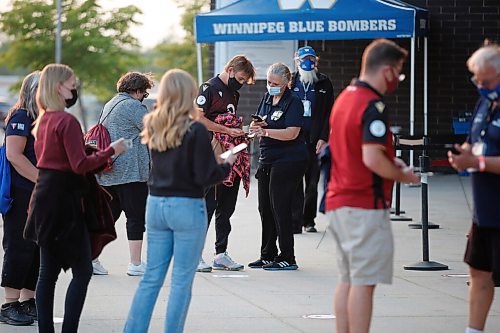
{"x": 201, "y": 100}
{"x": 205, "y": 87}
{"x": 377, "y": 128}
{"x": 19, "y": 126}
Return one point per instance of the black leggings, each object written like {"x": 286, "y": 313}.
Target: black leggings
{"x": 277, "y": 187}
{"x": 21, "y": 258}
{"x": 75, "y": 295}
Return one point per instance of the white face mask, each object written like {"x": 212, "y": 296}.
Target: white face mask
{"x": 273, "y": 91}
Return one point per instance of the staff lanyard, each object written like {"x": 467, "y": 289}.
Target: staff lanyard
{"x": 306, "y": 89}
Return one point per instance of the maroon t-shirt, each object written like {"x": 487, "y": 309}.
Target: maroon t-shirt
{"x": 59, "y": 145}
{"x": 358, "y": 117}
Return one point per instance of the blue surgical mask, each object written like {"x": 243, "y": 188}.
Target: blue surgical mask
{"x": 307, "y": 64}
{"x": 491, "y": 94}
{"x": 273, "y": 91}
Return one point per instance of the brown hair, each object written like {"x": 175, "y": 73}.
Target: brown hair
{"x": 240, "y": 63}
{"x": 381, "y": 52}
{"x": 133, "y": 81}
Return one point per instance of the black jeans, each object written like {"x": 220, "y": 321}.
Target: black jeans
{"x": 277, "y": 187}
{"x": 305, "y": 204}
{"x": 221, "y": 199}
{"x": 75, "y": 295}
{"x": 131, "y": 199}
{"x": 21, "y": 259}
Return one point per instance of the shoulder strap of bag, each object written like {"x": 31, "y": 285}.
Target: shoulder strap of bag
{"x": 102, "y": 110}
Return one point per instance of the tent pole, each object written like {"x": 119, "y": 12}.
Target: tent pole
{"x": 425, "y": 86}
{"x": 412, "y": 94}
{"x": 200, "y": 64}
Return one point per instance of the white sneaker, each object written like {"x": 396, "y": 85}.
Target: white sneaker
{"x": 223, "y": 261}
{"x": 203, "y": 267}
{"x": 98, "y": 268}
{"x": 136, "y": 270}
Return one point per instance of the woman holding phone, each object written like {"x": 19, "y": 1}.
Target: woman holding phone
{"x": 183, "y": 165}
{"x": 56, "y": 218}
{"x": 282, "y": 163}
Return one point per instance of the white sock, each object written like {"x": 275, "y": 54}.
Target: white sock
{"x": 472, "y": 330}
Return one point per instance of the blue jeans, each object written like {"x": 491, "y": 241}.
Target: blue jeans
{"x": 176, "y": 226}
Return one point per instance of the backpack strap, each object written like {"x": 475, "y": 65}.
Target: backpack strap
{"x": 102, "y": 110}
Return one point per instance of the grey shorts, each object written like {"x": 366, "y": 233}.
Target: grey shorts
{"x": 365, "y": 245}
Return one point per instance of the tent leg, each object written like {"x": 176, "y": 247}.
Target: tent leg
{"x": 412, "y": 94}
{"x": 425, "y": 86}
{"x": 200, "y": 64}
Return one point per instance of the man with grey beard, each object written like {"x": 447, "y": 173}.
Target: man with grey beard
{"x": 316, "y": 92}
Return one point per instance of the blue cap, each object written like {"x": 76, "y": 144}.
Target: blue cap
{"x": 305, "y": 51}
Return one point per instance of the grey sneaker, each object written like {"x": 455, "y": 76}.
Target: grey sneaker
{"x": 203, "y": 267}
{"x": 98, "y": 268}
{"x": 136, "y": 270}
{"x": 223, "y": 261}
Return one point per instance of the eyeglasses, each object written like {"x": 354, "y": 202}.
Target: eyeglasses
{"x": 145, "y": 94}
{"x": 484, "y": 83}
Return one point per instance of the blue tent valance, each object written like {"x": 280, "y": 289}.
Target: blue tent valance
{"x": 251, "y": 20}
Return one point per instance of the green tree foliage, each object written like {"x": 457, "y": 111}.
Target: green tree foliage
{"x": 182, "y": 55}
{"x": 95, "y": 43}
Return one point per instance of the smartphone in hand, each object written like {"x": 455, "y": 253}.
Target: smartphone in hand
{"x": 257, "y": 118}
{"x": 234, "y": 150}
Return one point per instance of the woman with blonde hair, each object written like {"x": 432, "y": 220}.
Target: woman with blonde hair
{"x": 21, "y": 258}
{"x": 183, "y": 165}
{"x": 56, "y": 220}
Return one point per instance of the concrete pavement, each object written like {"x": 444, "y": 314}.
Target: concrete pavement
{"x": 262, "y": 301}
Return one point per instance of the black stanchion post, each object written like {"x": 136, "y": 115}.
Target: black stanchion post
{"x": 424, "y": 164}
{"x": 396, "y": 213}
{"x": 425, "y": 264}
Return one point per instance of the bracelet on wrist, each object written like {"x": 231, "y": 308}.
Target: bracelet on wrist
{"x": 482, "y": 163}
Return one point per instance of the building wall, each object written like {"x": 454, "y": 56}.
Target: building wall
{"x": 457, "y": 28}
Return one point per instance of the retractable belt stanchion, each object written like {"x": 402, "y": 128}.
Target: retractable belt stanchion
{"x": 396, "y": 213}
{"x": 424, "y": 165}
{"x": 425, "y": 264}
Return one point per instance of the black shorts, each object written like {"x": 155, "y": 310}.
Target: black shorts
{"x": 483, "y": 250}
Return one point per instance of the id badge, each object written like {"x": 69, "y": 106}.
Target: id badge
{"x": 478, "y": 148}
{"x": 307, "y": 107}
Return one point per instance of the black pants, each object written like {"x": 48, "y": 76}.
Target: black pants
{"x": 75, "y": 295}
{"x": 130, "y": 198}
{"x": 21, "y": 258}
{"x": 305, "y": 204}
{"x": 277, "y": 186}
{"x": 221, "y": 199}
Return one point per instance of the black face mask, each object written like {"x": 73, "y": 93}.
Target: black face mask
{"x": 233, "y": 84}
{"x": 71, "y": 101}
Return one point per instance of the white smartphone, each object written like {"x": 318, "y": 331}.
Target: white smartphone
{"x": 235, "y": 150}
{"x": 128, "y": 143}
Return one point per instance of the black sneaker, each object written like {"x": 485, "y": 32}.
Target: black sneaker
{"x": 12, "y": 314}
{"x": 310, "y": 228}
{"x": 280, "y": 266}
{"x": 259, "y": 263}
{"x": 29, "y": 307}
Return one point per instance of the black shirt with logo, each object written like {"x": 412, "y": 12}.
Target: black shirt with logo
{"x": 20, "y": 124}
{"x": 287, "y": 113}
{"x": 215, "y": 98}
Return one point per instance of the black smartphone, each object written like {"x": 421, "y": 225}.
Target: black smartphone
{"x": 257, "y": 118}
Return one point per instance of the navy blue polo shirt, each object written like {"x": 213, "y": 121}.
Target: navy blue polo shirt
{"x": 20, "y": 124}
{"x": 486, "y": 185}
{"x": 305, "y": 92}
{"x": 287, "y": 113}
